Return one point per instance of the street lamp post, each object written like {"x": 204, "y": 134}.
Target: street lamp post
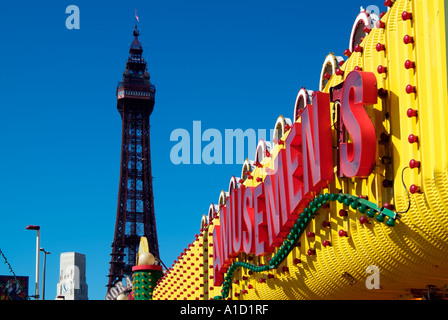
{"x": 37, "y": 228}
{"x": 43, "y": 279}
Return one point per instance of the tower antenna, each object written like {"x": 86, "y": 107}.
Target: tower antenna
{"x": 136, "y": 17}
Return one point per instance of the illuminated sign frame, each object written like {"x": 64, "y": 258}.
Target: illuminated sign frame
{"x": 255, "y": 220}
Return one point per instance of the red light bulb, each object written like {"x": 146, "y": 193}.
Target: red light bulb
{"x": 342, "y": 213}
{"x": 363, "y": 220}
{"x": 381, "y": 69}
{"x": 412, "y": 138}
{"x": 339, "y": 72}
{"x": 358, "y": 48}
{"x": 380, "y": 47}
{"x": 414, "y": 164}
{"x": 382, "y": 92}
{"x": 409, "y": 64}
{"x": 342, "y": 233}
{"x": 387, "y": 183}
{"x": 406, "y": 15}
{"x": 408, "y": 39}
{"x": 414, "y": 189}
{"x": 388, "y": 206}
{"x": 380, "y": 24}
{"x": 410, "y": 89}
{"x": 347, "y": 53}
{"x": 411, "y": 113}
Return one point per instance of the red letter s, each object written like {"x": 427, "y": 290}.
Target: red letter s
{"x": 358, "y": 157}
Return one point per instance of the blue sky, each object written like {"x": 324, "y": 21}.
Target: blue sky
{"x": 229, "y": 64}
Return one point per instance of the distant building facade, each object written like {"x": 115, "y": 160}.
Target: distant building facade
{"x": 72, "y": 277}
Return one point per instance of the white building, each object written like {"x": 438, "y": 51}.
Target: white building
{"x": 72, "y": 277}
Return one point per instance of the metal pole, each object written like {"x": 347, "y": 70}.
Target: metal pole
{"x": 37, "y": 262}
{"x": 43, "y": 279}
{"x": 37, "y": 228}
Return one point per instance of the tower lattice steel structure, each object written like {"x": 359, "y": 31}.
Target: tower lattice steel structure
{"x": 135, "y": 209}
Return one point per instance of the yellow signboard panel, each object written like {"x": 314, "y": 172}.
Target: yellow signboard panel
{"x": 382, "y": 236}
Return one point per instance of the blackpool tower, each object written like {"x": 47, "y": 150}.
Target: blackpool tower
{"x": 135, "y": 209}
